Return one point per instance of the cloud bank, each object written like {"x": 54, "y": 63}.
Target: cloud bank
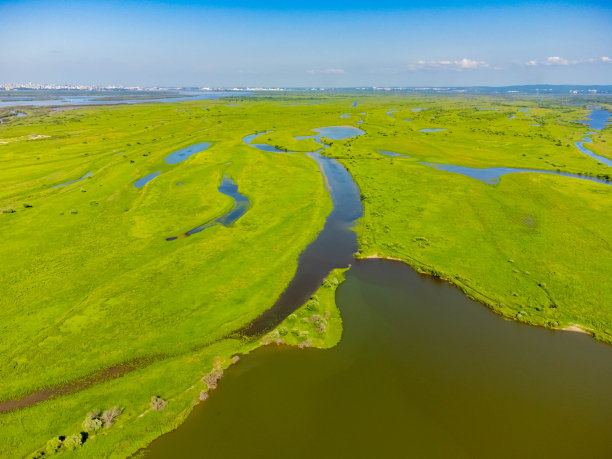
{"x": 457, "y": 65}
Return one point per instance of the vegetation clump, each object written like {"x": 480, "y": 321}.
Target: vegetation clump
{"x": 158, "y": 403}
{"x": 212, "y": 378}
{"x": 73, "y": 442}
{"x": 92, "y": 422}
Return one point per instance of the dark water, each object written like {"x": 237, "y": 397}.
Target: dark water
{"x": 421, "y": 371}
{"x": 333, "y": 247}
{"x": 241, "y": 205}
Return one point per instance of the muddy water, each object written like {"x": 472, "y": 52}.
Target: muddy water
{"x": 421, "y": 371}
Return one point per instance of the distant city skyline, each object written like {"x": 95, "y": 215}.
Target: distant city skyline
{"x": 272, "y": 44}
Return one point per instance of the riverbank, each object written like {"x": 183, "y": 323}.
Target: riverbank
{"x": 469, "y": 292}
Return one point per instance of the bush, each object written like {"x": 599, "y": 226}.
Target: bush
{"x": 315, "y": 318}
{"x": 274, "y": 335}
{"x": 283, "y": 331}
{"x": 53, "y": 445}
{"x": 109, "y": 416}
{"x": 92, "y": 421}
{"x": 73, "y": 441}
{"x": 213, "y": 377}
{"x": 158, "y": 403}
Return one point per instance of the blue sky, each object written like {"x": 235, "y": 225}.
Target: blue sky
{"x": 311, "y": 44}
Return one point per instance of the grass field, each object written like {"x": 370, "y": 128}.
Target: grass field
{"x": 90, "y": 282}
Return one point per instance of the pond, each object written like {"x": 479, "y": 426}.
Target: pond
{"x": 184, "y": 153}
{"x": 146, "y": 179}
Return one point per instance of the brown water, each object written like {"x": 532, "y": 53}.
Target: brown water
{"x": 421, "y": 371}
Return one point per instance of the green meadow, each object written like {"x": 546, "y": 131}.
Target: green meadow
{"x": 90, "y": 282}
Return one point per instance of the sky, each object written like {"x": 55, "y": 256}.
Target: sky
{"x": 306, "y": 44}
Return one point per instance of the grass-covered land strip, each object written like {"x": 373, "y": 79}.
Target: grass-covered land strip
{"x": 317, "y": 323}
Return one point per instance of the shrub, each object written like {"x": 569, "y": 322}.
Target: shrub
{"x": 73, "y": 441}
{"x": 274, "y": 335}
{"x": 306, "y": 343}
{"x": 109, "y": 416}
{"x": 283, "y": 331}
{"x": 213, "y": 377}
{"x": 314, "y": 318}
{"x": 158, "y": 403}
{"x": 53, "y": 445}
{"x": 92, "y": 421}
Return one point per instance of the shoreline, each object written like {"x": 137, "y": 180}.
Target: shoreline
{"x": 574, "y": 328}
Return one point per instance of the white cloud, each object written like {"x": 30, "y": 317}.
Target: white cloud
{"x": 556, "y": 60}
{"x": 606, "y": 59}
{"x": 326, "y": 71}
{"x": 462, "y": 64}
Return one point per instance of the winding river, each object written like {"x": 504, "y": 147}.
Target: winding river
{"x": 333, "y": 247}
{"x": 597, "y": 120}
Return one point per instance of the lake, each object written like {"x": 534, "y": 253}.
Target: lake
{"x": 421, "y": 371}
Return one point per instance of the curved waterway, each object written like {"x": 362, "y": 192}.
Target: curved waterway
{"x": 241, "y": 205}
{"x": 491, "y": 175}
{"x": 598, "y": 119}
{"x": 333, "y": 247}
{"x": 421, "y": 371}
{"x": 73, "y": 181}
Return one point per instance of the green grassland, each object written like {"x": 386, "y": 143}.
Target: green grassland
{"x": 89, "y": 281}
